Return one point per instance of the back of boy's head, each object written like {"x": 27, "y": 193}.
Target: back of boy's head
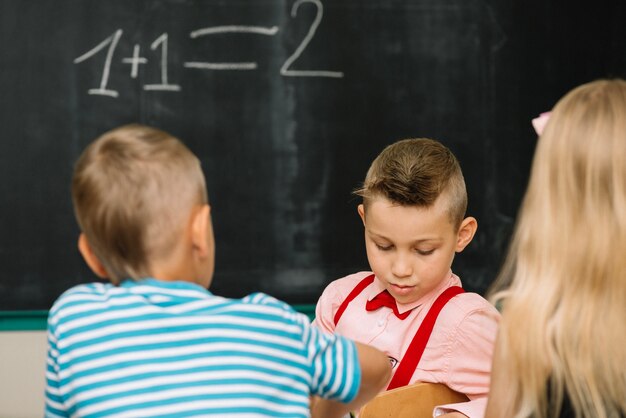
{"x": 133, "y": 190}
{"x": 415, "y": 172}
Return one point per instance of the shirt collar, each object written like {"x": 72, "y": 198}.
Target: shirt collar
{"x": 163, "y": 284}
{"x": 377, "y": 286}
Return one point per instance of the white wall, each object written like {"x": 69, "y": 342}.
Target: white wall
{"x": 22, "y": 373}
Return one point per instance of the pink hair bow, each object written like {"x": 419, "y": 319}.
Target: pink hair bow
{"x": 539, "y": 123}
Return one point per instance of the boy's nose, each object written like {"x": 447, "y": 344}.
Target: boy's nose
{"x": 401, "y": 267}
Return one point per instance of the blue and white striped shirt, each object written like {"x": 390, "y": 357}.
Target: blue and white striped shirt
{"x": 172, "y": 349}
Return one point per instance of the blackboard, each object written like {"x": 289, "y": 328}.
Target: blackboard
{"x": 286, "y": 103}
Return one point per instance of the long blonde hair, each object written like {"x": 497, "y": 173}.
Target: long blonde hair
{"x": 563, "y": 285}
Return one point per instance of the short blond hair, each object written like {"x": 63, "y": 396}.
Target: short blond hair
{"x": 133, "y": 189}
{"x": 415, "y": 172}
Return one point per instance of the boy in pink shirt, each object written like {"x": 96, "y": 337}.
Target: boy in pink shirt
{"x": 413, "y": 211}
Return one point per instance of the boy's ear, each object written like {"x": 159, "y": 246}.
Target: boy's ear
{"x": 90, "y": 257}
{"x": 202, "y": 246}
{"x": 202, "y": 231}
{"x": 466, "y": 233}
{"x": 361, "y": 210}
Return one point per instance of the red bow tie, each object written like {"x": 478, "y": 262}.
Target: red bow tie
{"x": 384, "y": 298}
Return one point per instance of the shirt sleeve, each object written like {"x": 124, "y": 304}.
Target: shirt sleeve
{"x": 333, "y": 360}
{"x": 336, "y": 373}
{"x": 326, "y": 307}
{"x": 469, "y": 362}
{"x": 54, "y": 402}
{"x": 475, "y": 408}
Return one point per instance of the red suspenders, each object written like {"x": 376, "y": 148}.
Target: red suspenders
{"x": 411, "y": 358}
{"x": 413, "y": 354}
{"x": 355, "y": 292}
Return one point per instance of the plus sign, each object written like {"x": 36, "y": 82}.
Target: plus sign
{"x": 134, "y": 61}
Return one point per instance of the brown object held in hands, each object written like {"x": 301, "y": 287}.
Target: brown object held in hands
{"x": 413, "y": 401}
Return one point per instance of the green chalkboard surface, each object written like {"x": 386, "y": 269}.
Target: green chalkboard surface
{"x": 286, "y": 103}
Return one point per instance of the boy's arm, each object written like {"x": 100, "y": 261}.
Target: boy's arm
{"x": 54, "y": 402}
{"x": 375, "y": 373}
{"x": 500, "y": 402}
{"x": 469, "y": 368}
{"x": 326, "y": 307}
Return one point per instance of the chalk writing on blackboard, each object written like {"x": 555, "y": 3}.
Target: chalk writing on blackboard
{"x": 285, "y": 71}
{"x": 112, "y": 42}
{"x": 164, "y": 86}
{"x": 134, "y": 61}
{"x": 162, "y": 43}
{"x": 258, "y": 30}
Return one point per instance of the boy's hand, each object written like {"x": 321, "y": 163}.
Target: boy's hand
{"x": 375, "y": 374}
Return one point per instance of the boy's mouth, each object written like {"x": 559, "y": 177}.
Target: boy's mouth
{"x": 401, "y": 290}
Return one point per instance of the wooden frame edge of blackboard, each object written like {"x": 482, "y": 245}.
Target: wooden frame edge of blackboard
{"x": 23, "y": 320}
{"x": 36, "y": 320}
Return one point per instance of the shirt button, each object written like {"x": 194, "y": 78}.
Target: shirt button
{"x": 381, "y": 322}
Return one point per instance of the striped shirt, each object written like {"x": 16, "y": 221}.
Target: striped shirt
{"x": 172, "y": 349}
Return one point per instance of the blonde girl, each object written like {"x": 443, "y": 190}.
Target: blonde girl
{"x": 561, "y": 349}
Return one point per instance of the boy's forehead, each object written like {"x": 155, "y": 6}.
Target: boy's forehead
{"x": 386, "y": 216}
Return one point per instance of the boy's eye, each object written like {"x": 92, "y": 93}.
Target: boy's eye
{"x": 384, "y": 247}
{"x": 425, "y": 252}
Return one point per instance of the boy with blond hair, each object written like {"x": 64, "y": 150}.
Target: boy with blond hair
{"x": 154, "y": 341}
{"x": 411, "y": 305}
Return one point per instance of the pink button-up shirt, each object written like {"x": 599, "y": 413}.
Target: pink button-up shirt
{"x": 458, "y": 353}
